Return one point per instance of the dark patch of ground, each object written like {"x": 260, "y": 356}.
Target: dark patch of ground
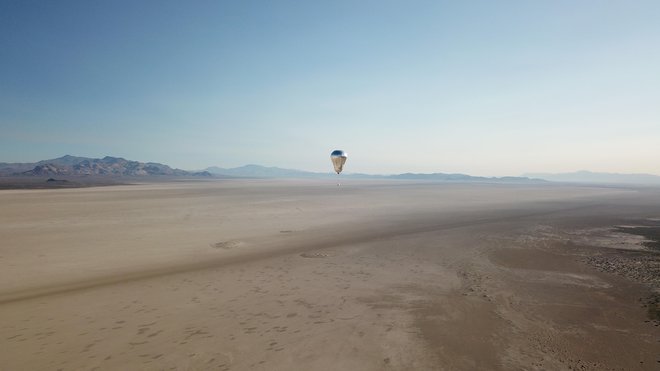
{"x": 650, "y": 232}
{"x": 24, "y": 182}
{"x": 652, "y": 305}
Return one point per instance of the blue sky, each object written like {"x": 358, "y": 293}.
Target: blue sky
{"x": 478, "y": 87}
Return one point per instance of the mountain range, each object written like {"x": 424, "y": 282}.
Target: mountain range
{"x": 258, "y": 171}
{"x": 108, "y": 167}
{"x": 85, "y": 166}
{"x": 585, "y": 176}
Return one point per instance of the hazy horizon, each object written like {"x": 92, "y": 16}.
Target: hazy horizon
{"x": 580, "y": 176}
{"x": 488, "y": 89}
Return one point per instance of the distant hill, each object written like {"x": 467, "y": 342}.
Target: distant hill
{"x": 84, "y": 166}
{"x": 584, "y": 176}
{"x": 464, "y": 178}
{"x": 257, "y": 171}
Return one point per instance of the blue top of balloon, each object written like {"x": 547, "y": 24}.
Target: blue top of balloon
{"x": 338, "y": 152}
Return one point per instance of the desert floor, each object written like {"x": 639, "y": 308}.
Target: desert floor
{"x": 305, "y": 275}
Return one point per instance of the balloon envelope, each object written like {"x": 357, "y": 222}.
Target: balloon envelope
{"x": 338, "y": 158}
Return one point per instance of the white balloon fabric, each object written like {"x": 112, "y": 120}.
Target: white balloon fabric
{"x": 338, "y": 158}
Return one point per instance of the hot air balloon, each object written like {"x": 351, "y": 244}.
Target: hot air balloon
{"x": 338, "y": 158}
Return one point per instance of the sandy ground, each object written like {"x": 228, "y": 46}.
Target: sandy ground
{"x": 304, "y": 275}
